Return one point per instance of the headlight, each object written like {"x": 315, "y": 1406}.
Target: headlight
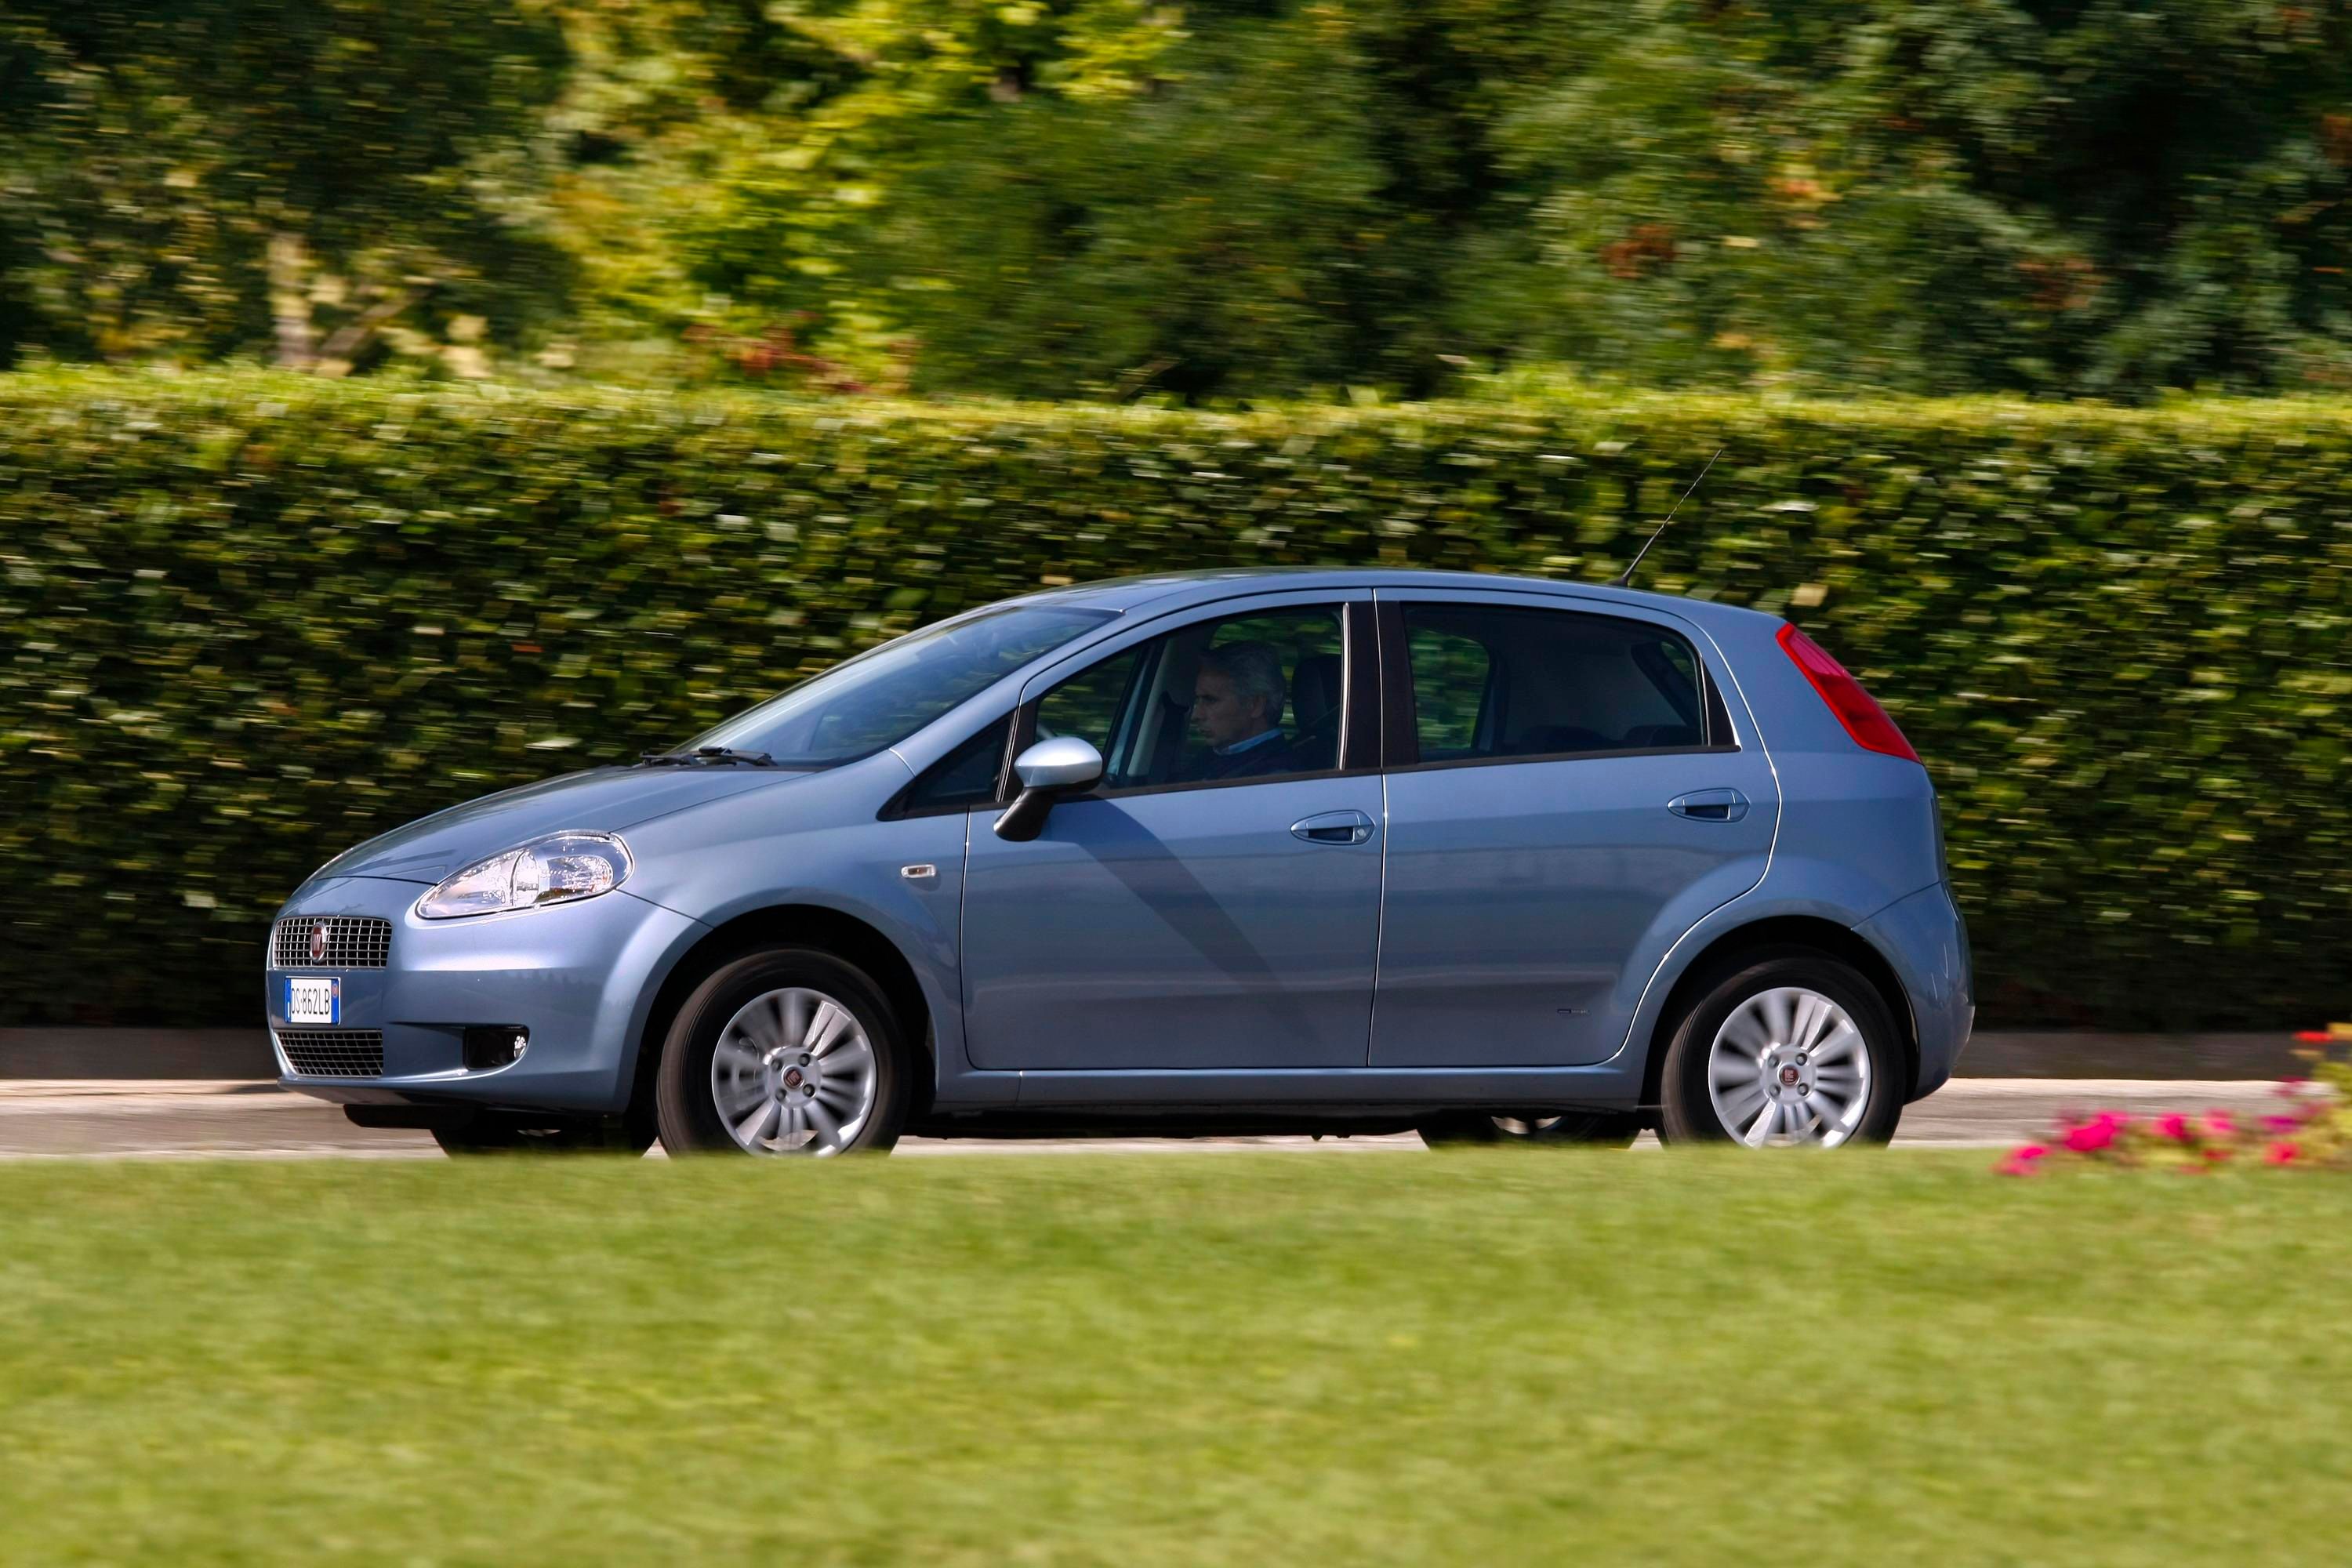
{"x": 555, "y": 870}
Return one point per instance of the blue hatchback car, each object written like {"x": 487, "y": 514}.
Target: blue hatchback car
{"x": 1495, "y": 860}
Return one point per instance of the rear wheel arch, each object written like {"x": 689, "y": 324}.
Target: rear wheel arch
{"x": 1823, "y": 936}
{"x": 793, "y": 925}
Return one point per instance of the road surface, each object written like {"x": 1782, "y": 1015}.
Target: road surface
{"x": 213, "y": 1119}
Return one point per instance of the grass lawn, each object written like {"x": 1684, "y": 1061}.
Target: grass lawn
{"x": 1496, "y": 1357}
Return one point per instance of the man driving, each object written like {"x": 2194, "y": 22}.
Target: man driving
{"x": 1237, "y": 708}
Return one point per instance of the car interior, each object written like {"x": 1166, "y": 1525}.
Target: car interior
{"x": 1488, "y": 682}
{"x": 1137, "y": 707}
{"x": 1517, "y": 683}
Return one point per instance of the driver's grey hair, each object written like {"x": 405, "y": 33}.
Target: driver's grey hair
{"x": 1255, "y": 670}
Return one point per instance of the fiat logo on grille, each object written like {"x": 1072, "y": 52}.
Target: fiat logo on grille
{"x": 319, "y": 941}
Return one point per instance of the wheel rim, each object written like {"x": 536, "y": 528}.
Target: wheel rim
{"x": 794, "y": 1074}
{"x": 1789, "y": 1066}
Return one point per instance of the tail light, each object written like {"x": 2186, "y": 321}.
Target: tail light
{"x": 1855, "y": 709}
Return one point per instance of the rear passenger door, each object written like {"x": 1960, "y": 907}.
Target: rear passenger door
{"x": 1567, "y": 795}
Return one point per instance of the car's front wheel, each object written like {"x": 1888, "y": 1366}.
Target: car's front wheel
{"x": 787, "y": 1051}
{"x": 1783, "y": 1047}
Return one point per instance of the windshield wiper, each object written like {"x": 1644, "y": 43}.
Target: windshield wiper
{"x": 704, "y": 756}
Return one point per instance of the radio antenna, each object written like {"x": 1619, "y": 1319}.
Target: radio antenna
{"x": 1627, "y": 580}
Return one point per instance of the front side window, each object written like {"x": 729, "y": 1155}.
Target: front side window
{"x": 883, "y": 695}
{"x": 965, "y": 778}
{"x": 1492, "y": 681}
{"x": 1252, "y": 696}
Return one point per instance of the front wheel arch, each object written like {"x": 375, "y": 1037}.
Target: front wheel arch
{"x": 793, "y": 925}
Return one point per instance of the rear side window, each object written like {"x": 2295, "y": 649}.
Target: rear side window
{"x": 1493, "y": 682}
{"x": 1450, "y": 672}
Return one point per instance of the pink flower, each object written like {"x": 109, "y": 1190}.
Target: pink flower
{"x": 2093, "y": 1135}
{"x": 2023, "y": 1160}
{"x": 2221, "y": 1123}
{"x": 2280, "y": 1123}
{"x": 2174, "y": 1127}
{"x": 2281, "y": 1153}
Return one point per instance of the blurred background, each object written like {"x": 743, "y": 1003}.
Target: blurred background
{"x": 1216, "y": 201}
{"x": 409, "y": 397}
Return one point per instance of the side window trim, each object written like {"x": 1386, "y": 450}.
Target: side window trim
{"x": 1363, "y": 720}
{"x": 1401, "y": 737}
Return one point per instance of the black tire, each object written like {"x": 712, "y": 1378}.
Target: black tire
{"x": 686, "y": 1107}
{"x": 1688, "y": 1110}
{"x": 1588, "y": 1130}
{"x": 493, "y": 1133}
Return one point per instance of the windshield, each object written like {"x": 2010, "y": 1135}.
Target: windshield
{"x": 886, "y": 694}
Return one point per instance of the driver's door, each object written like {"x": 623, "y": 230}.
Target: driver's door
{"x": 1171, "y": 921}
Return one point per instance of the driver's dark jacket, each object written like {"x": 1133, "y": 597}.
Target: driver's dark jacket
{"x": 1267, "y": 757}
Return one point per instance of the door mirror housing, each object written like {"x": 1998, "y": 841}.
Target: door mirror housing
{"x": 1063, "y": 765}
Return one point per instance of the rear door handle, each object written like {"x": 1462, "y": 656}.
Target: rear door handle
{"x": 1710, "y": 806}
{"x": 1333, "y": 828}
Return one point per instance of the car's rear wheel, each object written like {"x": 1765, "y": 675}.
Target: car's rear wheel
{"x": 1457, "y": 1129}
{"x": 788, "y": 1051}
{"x": 1782, "y": 1047}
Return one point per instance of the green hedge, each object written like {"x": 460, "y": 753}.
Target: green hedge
{"x": 251, "y": 620}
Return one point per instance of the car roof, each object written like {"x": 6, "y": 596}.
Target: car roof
{"x": 1175, "y": 590}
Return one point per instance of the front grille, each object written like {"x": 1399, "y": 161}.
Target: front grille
{"x": 353, "y": 941}
{"x": 334, "y": 1053}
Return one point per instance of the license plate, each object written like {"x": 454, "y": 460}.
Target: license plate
{"x": 314, "y": 1001}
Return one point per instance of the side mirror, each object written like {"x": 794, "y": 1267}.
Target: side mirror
{"x": 1063, "y": 765}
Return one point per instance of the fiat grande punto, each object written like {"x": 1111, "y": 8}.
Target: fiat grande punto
{"x": 1493, "y": 859}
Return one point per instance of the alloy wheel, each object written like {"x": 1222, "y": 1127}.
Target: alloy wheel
{"x": 1789, "y": 1066}
{"x": 793, "y": 1073}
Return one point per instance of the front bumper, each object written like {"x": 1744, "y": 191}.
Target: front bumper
{"x": 580, "y": 976}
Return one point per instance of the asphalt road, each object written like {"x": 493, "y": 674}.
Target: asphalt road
{"x": 65, "y": 1119}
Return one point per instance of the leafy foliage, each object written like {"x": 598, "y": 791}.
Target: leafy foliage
{"x": 1266, "y": 199}
{"x": 1234, "y": 199}
{"x": 254, "y": 619}
{"x": 319, "y": 181}
{"x": 2091, "y": 198}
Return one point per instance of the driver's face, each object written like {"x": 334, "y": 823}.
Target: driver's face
{"x": 1221, "y": 714}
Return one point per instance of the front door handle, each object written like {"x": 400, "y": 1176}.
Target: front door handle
{"x": 1710, "y": 806}
{"x": 1333, "y": 828}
